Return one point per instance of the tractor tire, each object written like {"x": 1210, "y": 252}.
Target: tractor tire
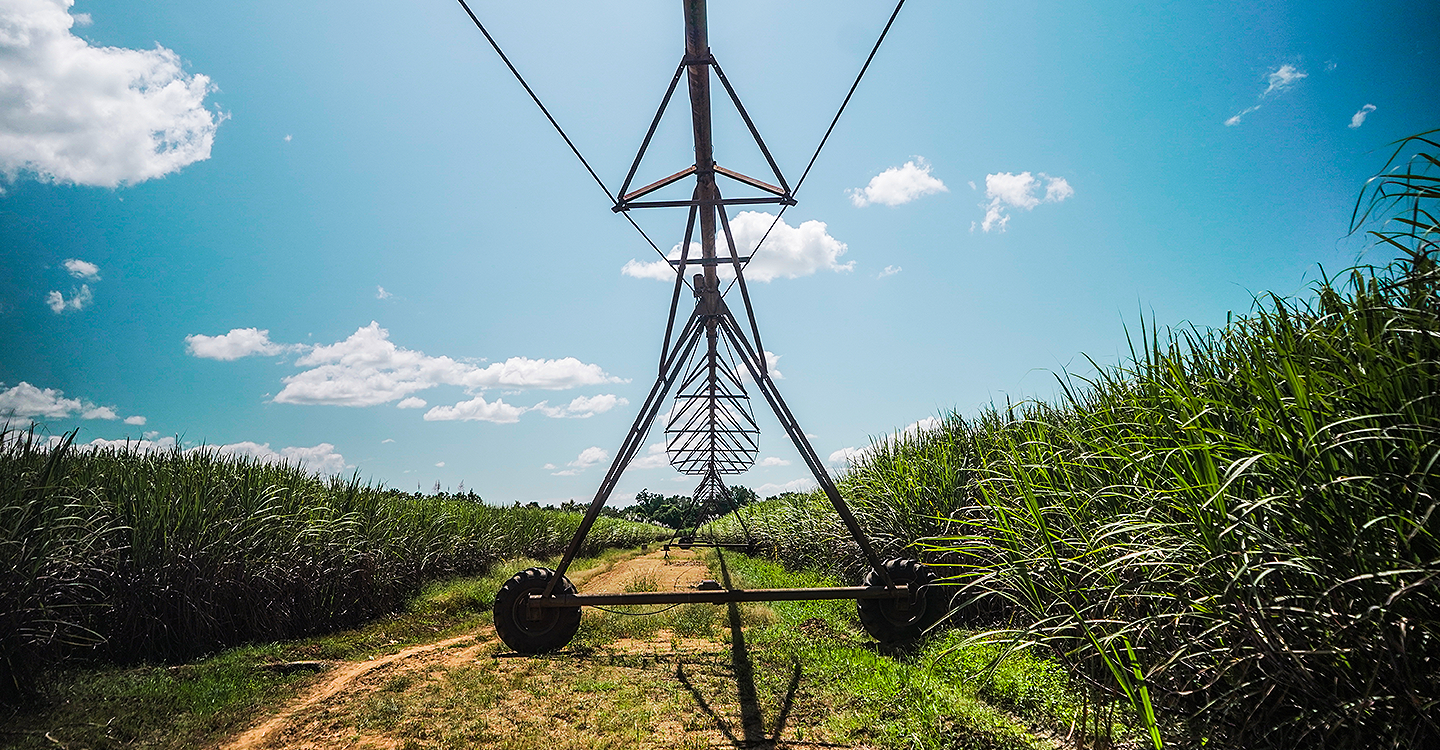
{"x": 550, "y": 630}
{"x": 895, "y": 621}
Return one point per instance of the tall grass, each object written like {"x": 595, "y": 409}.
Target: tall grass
{"x": 125, "y": 554}
{"x": 1238, "y": 530}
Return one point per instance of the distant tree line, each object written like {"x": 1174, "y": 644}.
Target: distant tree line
{"x": 673, "y": 511}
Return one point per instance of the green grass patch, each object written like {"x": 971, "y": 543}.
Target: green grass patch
{"x": 197, "y": 704}
{"x": 937, "y": 696}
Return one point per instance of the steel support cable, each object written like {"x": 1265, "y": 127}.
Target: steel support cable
{"x": 505, "y": 59}
{"x": 826, "y": 137}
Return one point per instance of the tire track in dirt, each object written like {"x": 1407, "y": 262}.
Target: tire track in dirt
{"x": 683, "y": 569}
{"x": 343, "y": 678}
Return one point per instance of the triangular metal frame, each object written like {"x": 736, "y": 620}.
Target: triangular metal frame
{"x": 711, "y": 321}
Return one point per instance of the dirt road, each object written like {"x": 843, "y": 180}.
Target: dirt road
{"x": 674, "y": 680}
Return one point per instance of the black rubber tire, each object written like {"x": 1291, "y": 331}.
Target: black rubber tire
{"x": 555, "y": 626}
{"x": 892, "y": 621}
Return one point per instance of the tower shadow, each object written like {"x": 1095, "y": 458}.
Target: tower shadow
{"x": 751, "y": 733}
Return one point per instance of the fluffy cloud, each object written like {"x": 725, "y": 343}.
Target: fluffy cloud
{"x": 1282, "y": 78}
{"x": 1358, "y": 119}
{"x": 137, "y": 421}
{"x": 582, "y": 407}
{"x": 888, "y": 271}
{"x": 79, "y": 299}
{"x": 476, "y": 410}
{"x": 772, "y": 360}
{"x": 898, "y": 185}
{"x": 853, "y": 455}
{"x": 103, "y": 116}
{"x": 27, "y": 401}
{"x": 773, "y": 461}
{"x": 368, "y": 369}
{"x": 380, "y": 293}
{"x": 1276, "y": 82}
{"x": 321, "y": 459}
{"x": 654, "y": 458}
{"x": 803, "y": 484}
{"x": 86, "y": 270}
{"x": 1005, "y": 190}
{"x": 148, "y": 445}
{"x": 587, "y": 458}
{"x": 789, "y": 251}
{"x": 239, "y": 342}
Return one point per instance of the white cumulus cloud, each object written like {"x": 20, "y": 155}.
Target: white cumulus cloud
{"x": 476, "y": 410}
{"x": 581, "y": 407}
{"x": 148, "y": 445}
{"x": 853, "y": 455}
{"x": 27, "y": 401}
{"x": 773, "y": 461}
{"x": 789, "y": 252}
{"x": 1282, "y": 78}
{"x": 368, "y": 369}
{"x": 888, "y": 271}
{"x": 79, "y": 299}
{"x": 898, "y": 185}
{"x": 82, "y": 269}
{"x": 772, "y": 360}
{"x": 1358, "y": 119}
{"x": 587, "y": 458}
{"x": 136, "y": 420}
{"x": 654, "y": 458}
{"x": 103, "y": 116}
{"x": 239, "y": 342}
{"x": 1005, "y": 190}
{"x": 803, "y": 484}
{"x": 321, "y": 459}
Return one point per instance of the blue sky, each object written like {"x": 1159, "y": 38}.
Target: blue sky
{"x": 1013, "y": 184}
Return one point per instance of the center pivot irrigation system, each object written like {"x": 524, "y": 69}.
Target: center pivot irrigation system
{"x": 711, "y": 431}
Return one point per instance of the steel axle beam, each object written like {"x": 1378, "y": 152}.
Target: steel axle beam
{"x": 723, "y": 596}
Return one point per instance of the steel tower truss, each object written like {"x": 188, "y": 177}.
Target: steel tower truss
{"x": 712, "y": 430}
